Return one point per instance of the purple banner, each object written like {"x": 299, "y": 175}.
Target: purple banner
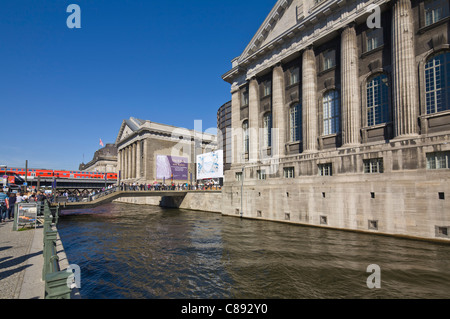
{"x": 169, "y": 167}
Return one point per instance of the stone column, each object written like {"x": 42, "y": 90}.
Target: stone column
{"x": 253, "y": 120}
{"x": 236, "y": 124}
{"x": 404, "y": 70}
{"x": 123, "y": 164}
{"x": 138, "y": 159}
{"x": 145, "y": 162}
{"x": 119, "y": 162}
{"x": 278, "y": 113}
{"x": 129, "y": 162}
{"x": 309, "y": 101}
{"x": 351, "y": 113}
{"x": 133, "y": 160}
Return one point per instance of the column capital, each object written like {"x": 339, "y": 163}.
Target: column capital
{"x": 350, "y": 25}
{"x": 277, "y": 65}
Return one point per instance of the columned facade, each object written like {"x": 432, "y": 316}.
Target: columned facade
{"x": 141, "y": 142}
{"x": 341, "y": 122}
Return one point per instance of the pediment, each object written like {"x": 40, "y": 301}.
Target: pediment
{"x": 129, "y": 127}
{"x": 126, "y": 132}
{"x": 284, "y": 16}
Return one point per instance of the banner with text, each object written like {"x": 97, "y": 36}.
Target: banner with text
{"x": 168, "y": 167}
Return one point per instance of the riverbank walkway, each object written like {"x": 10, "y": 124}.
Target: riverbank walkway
{"x": 22, "y": 261}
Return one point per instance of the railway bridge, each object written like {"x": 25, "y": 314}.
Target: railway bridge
{"x": 65, "y": 184}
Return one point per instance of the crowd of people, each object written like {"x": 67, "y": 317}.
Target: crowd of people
{"x": 9, "y": 199}
{"x": 156, "y": 186}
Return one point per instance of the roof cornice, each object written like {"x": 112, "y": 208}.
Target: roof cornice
{"x": 315, "y": 16}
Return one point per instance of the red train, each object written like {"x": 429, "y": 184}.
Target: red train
{"x": 48, "y": 173}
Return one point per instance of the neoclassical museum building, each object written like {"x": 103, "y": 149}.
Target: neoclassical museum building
{"x": 341, "y": 117}
{"x": 149, "y": 152}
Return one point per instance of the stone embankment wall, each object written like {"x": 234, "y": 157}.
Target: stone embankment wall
{"x": 407, "y": 199}
{"x": 204, "y": 201}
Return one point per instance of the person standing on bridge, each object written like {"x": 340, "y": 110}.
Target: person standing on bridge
{"x": 20, "y": 198}
{"x": 40, "y": 197}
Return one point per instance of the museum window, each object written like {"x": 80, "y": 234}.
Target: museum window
{"x": 435, "y": 10}
{"x": 295, "y": 123}
{"x": 288, "y": 172}
{"x": 437, "y": 83}
{"x": 328, "y": 59}
{"x": 244, "y": 98}
{"x": 374, "y": 165}
{"x": 294, "y": 75}
{"x": 377, "y": 100}
{"x": 246, "y": 140}
{"x": 331, "y": 112}
{"x": 438, "y": 160}
{"x": 374, "y": 38}
{"x": 261, "y": 174}
{"x": 238, "y": 176}
{"x": 325, "y": 169}
{"x": 267, "y": 88}
{"x": 267, "y": 124}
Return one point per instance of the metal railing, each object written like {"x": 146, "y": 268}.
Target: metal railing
{"x": 134, "y": 188}
{"x": 56, "y": 286}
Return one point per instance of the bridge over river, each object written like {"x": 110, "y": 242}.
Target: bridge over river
{"x": 169, "y": 197}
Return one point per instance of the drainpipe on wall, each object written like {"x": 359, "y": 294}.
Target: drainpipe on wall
{"x": 242, "y": 190}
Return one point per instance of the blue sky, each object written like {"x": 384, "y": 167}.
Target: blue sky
{"x": 62, "y": 89}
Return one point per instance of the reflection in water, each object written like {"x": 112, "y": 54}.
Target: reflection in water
{"x": 130, "y": 251}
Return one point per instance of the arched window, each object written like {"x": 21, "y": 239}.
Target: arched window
{"x": 295, "y": 123}
{"x": 377, "y": 100}
{"x": 245, "y": 136}
{"x": 437, "y": 83}
{"x": 331, "y": 113}
{"x": 267, "y": 124}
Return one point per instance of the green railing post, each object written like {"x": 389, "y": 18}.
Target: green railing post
{"x": 56, "y": 286}
{"x": 49, "y": 250}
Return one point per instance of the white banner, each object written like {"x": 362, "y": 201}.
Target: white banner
{"x": 210, "y": 165}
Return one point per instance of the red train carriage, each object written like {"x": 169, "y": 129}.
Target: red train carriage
{"x": 46, "y": 173}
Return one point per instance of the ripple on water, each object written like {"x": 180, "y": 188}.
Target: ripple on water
{"x": 130, "y": 251}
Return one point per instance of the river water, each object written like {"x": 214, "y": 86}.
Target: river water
{"x": 147, "y": 252}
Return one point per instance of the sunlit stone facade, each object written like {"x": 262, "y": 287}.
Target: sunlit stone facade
{"x": 140, "y": 142}
{"x": 341, "y": 117}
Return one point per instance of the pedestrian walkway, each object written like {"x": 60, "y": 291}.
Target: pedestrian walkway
{"x": 21, "y": 263}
